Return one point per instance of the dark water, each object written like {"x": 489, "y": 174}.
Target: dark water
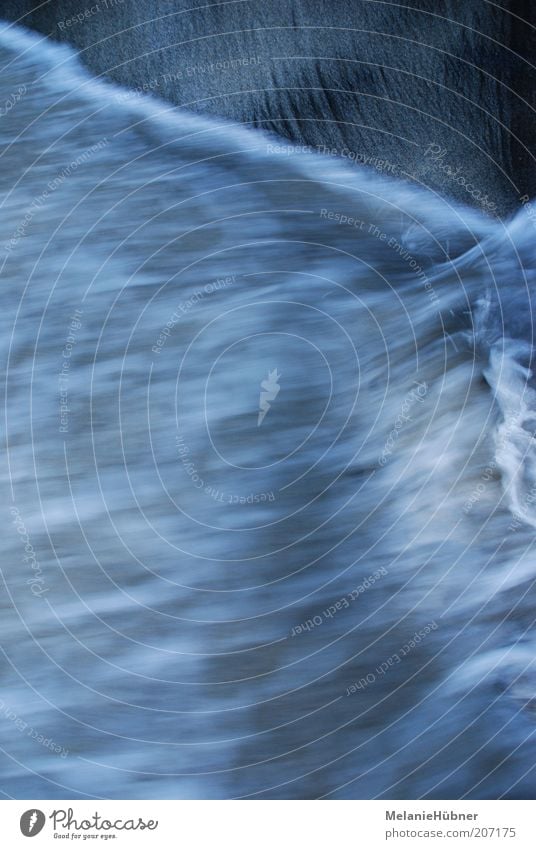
{"x": 331, "y": 599}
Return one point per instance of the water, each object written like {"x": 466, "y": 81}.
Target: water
{"x": 332, "y": 600}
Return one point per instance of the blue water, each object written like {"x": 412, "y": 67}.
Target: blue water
{"x": 196, "y": 604}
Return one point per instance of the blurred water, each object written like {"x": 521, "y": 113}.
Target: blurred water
{"x": 196, "y": 604}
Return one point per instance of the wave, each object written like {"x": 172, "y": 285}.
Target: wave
{"x": 270, "y": 462}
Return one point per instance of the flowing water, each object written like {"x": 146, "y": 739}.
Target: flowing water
{"x": 270, "y": 480}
